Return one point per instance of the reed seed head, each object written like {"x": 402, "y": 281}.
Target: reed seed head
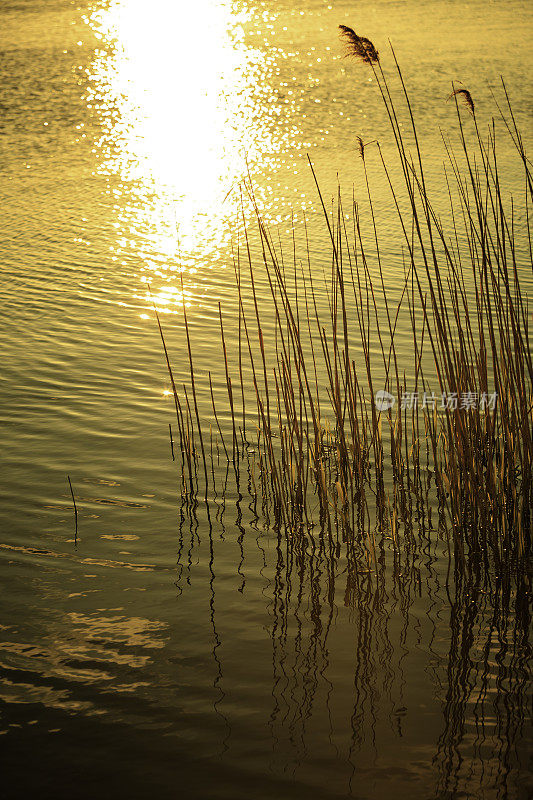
{"x": 465, "y": 96}
{"x": 359, "y": 46}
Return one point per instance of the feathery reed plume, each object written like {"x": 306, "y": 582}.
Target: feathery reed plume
{"x": 465, "y": 96}
{"x": 361, "y": 146}
{"x": 359, "y": 46}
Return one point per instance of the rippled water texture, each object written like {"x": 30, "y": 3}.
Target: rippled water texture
{"x": 158, "y": 651}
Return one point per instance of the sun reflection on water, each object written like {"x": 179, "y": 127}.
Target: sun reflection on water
{"x": 181, "y": 96}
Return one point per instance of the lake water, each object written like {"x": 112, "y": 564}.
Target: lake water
{"x": 160, "y": 652}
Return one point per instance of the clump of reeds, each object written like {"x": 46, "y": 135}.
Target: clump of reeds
{"x": 324, "y": 454}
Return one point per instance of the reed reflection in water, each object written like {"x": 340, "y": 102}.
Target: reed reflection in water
{"x": 347, "y": 646}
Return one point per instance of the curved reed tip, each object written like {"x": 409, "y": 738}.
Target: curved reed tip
{"x": 358, "y": 46}
{"x": 465, "y": 96}
{"x": 361, "y": 147}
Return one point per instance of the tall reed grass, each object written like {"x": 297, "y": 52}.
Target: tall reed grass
{"x": 301, "y": 414}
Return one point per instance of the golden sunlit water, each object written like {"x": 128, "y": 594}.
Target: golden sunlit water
{"x": 182, "y": 98}
{"x": 153, "y": 650}
{"x": 174, "y": 98}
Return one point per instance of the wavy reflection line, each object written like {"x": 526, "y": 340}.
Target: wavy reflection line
{"x": 95, "y": 562}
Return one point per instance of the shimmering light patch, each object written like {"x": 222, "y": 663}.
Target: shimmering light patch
{"x": 182, "y": 102}
{"x": 167, "y": 300}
